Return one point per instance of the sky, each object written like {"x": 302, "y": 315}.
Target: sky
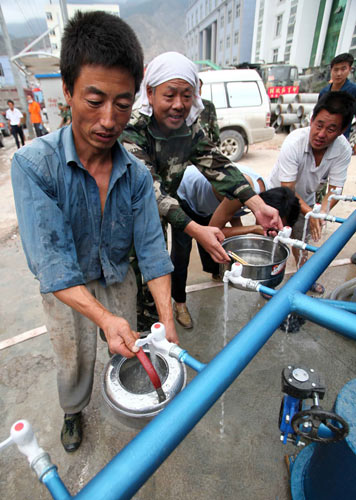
{"x": 22, "y": 11}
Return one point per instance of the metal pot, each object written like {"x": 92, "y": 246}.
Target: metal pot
{"x": 257, "y": 251}
{"x": 128, "y": 390}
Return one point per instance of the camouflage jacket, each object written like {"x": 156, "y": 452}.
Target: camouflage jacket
{"x": 209, "y": 122}
{"x": 168, "y": 157}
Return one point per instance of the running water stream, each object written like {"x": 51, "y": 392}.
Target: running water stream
{"x": 222, "y": 399}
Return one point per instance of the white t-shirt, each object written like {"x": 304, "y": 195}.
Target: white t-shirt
{"x": 14, "y": 115}
{"x": 197, "y": 191}
{"x": 296, "y": 163}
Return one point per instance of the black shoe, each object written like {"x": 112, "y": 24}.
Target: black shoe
{"x": 71, "y": 434}
{"x": 353, "y": 258}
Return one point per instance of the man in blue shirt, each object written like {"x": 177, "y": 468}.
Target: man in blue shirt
{"x": 340, "y": 69}
{"x": 82, "y": 200}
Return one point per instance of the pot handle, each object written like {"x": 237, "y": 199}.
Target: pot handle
{"x": 151, "y": 372}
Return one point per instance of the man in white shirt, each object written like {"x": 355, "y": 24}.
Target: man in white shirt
{"x": 313, "y": 156}
{"x": 14, "y": 118}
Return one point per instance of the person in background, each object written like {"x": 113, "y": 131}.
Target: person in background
{"x": 208, "y": 119}
{"x": 82, "y": 201}
{"x": 35, "y": 116}
{"x": 164, "y": 132}
{"x": 14, "y": 118}
{"x": 312, "y": 156}
{"x": 341, "y": 67}
{"x": 199, "y": 200}
{"x": 66, "y": 117}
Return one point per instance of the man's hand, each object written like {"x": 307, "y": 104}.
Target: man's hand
{"x": 121, "y": 339}
{"x": 171, "y": 334}
{"x": 267, "y": 216}
{"x": 210, "y": 238}
{"x": 315, "y": 228}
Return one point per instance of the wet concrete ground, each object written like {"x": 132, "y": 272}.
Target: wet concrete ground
{"x": 233, "y": 453}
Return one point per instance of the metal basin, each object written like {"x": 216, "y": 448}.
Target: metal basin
{"x": 128, "y": 390}
{"x": 257, "y": 251}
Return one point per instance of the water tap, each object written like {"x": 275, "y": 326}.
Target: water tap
{"x": 157, "y": 338}
{"x": 284, "y": 234}
{"x": 236, "y": 278}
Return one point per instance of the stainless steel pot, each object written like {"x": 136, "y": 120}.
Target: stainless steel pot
{"x": 128, "y": 391}
{"x": 257, "y": 251}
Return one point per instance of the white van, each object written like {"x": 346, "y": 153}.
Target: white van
{"x": 242, "y": 106}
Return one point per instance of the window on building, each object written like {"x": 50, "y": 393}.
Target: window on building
{"x": 52, "y": 33}
{"x": 228, "y": 42}
{"x": 234, "y": 60}
{"x": 279, "y": 25}
{"x": 236, "y": 37}
{"x": 229, "y": 16}
{"x": 226, "y": 62}
{"x": 1, "y": 70}
{"x": 54, "y": 46}
{"x": 275, "y": 55}
{"x": 237, "y": 9}
{"x": 220, "y": 45}
{"x": 49, "y": 16}
{"x": 222, "y": 21}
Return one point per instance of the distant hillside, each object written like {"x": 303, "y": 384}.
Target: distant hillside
{"x": 159, "y": 25}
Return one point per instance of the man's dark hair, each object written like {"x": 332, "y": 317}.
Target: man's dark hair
{"x": 99, "y": 38}
{"x": 10, "y": 100}
{"x": 345, "y": 57}
{"x": 337, "y": 103}
{"x": 285, "y": 201}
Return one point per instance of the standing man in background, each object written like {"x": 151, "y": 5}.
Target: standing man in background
{"x": 35, "y": 116}
{"x": 14, "y": 118}
{"x": 341, "y": 67}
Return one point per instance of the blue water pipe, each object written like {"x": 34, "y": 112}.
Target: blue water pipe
{"x": 55, "y": 485}
{"x": 187, "y": 359}
{"x": 130, "y": 469}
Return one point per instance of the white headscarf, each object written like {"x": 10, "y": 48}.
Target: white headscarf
{"x": 169, "y": 66}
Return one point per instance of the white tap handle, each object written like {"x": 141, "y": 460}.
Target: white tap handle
{"x": 316, "y": 208}
{"x": 158, "y": 331}
{"x": 337, "y": 190}
{"x": 157, "y": 338}
{"x": 22, "y": 435}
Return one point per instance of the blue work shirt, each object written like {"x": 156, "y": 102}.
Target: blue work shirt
{"x": 348, "y": 87}
{"x": 66, "y": 238}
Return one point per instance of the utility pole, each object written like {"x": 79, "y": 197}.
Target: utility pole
{"x": 16, "y": 74}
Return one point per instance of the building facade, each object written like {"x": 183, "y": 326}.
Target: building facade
{"x": 220, "y": 31}
{"x": 55, "y": 21}
{"x": 303, "y": 32}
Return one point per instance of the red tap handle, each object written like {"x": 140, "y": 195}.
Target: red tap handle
{"x": 150, "y": 369}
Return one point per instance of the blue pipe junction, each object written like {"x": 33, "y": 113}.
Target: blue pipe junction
{"x": 130, "y": 469}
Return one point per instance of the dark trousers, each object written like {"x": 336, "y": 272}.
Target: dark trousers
{"x": 38, "y": 129}
{"x": 16, "y": 130}
{"x": 180, "y": 254}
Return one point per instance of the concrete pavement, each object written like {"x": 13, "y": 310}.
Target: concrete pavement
{"x": 234, "y": 452}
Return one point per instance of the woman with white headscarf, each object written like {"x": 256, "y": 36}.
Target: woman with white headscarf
{"x": 164, "y": 132}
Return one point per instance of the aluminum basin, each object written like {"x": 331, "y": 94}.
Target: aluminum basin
{"x": 128, "y": 391}
{"x": 257, "y": 251}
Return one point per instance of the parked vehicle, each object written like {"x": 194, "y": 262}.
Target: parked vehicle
{"x": 242, "y": 107}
